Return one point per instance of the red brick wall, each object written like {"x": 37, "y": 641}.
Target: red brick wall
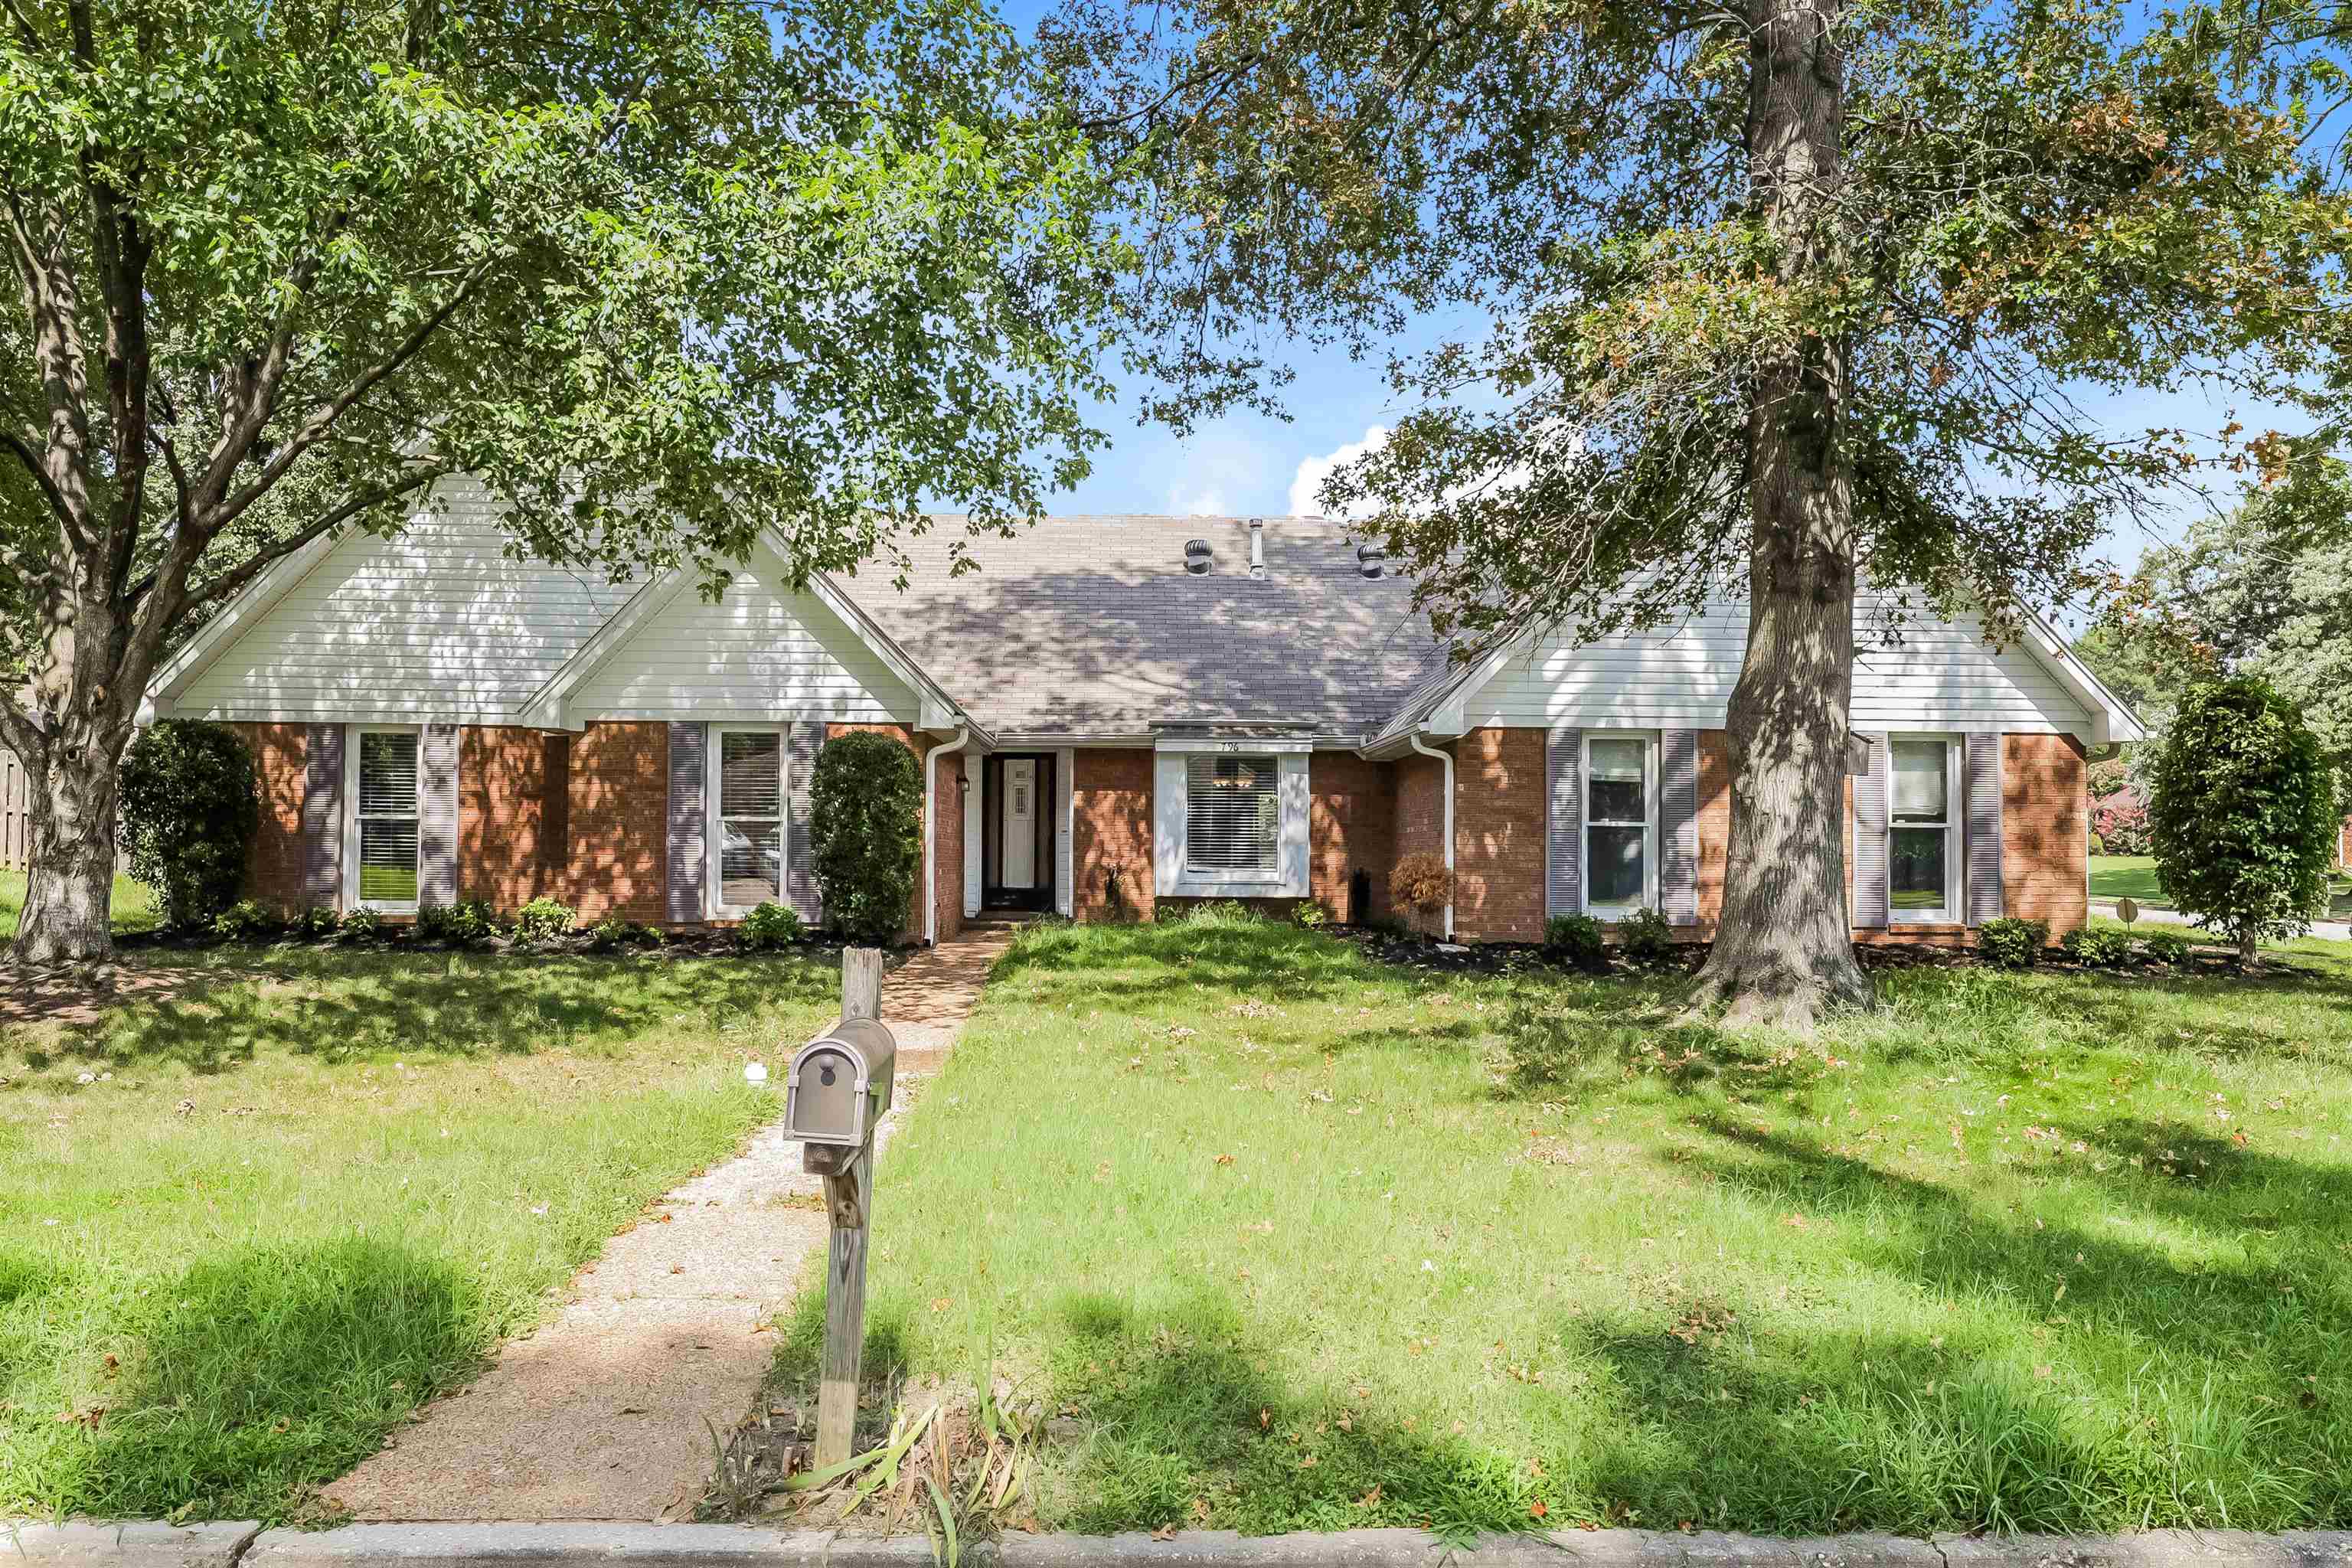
{"x": 281, "y": 756}
{"x": 1351, "y": 812}
{"x": 510, "y": 846}
{"x": 1110, "y": 830}
{"x": 2045, "y": 829}
{"x": 618, "y": 801}
{"x": 1714, "y": 826}
{"x": 1498, "y": 836}
{"x": 946, "y": 850}
{"x": 1420, "y": 824}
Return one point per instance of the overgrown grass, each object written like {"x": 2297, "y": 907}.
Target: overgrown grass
{"x": 133, "y": 907}
{"x": 2044, "y": 1252}
{"x": 278, "y": 1218}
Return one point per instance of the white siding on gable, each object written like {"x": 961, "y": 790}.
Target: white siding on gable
{"x": 436, "y": 623}
{"x": 762, "y": 652}
{"x": 1938, "y": 674}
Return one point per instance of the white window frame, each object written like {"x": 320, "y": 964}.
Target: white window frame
{"x": 353, "y": 817}
{"x": 1956, "y": 813}
{"x": 714, "y": 826}
{"x": 1649, "y": 825}
{"x": 1273, "y": 768}
{"x": 1173, "y": 875}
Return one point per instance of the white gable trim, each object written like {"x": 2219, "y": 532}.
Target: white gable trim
{"x": 259, "y": 597}
{"x": 549, "y": 706}
{"x": 1444, "y": 712}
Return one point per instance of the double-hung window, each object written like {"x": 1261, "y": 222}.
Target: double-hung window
{"x": 1620, "y": 815}
{"x": 1923, "y": 839}
{"x": 748, "y": 818}
{"x": 387, "y": 815}
{"x": 1233, "y": 815}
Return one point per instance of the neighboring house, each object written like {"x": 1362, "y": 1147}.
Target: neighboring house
{"x": 1112, "y": 723}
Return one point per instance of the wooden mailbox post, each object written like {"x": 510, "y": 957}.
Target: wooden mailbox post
{"x": 848, "y": 1172}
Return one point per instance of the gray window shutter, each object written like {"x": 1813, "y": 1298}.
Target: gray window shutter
{"x": 800, "y": 850}
{"x": 1984, "y": 832}
{"x": 322, "y": 817}
{"x": 1678, "y": 826}
{"x": 1564, "y": 822}
{"x": 437, "y": 812}
{"x": 685, "y": 854}
{"x": 1870, "y": 909}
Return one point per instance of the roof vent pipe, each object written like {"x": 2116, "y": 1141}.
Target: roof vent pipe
{"x": 1196, "y": 556}
{"x": 1257, "y": 547}
{"x": 1371, "y": 560}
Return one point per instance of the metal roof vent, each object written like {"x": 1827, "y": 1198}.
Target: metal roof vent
{"x": 1196, "y": 556}
{"x": 1257, "y": 547}
{"x": 1371, "y": 560}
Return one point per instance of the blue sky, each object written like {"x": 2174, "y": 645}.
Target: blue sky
{"x": 1253, "y": 465}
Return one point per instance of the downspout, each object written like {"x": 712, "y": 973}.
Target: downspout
{"x": 932, "y": 831}
{"x": 1445, "y": 758}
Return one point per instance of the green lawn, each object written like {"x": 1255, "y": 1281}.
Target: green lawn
{"x": 2128, "y": 877}
{"x": 278, "y": 1218}
{"x": 1284, "y": 1236}
{"x": 2134, "y": 876}
{"x": 134, "y": 906}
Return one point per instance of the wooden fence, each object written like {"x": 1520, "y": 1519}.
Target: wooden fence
{"x": 15, "y": 819}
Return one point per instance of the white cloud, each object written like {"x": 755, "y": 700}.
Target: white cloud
{"x": 1196, "y": 500}
{"x": 1313, "y": 471}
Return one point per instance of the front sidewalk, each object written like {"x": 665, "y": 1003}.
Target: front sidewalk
{"x": 595, "y": 1544}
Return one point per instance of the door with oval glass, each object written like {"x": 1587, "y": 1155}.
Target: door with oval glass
{"x": 1017, "y": 852}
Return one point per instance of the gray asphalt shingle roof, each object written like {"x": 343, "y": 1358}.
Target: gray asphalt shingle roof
{"x": 1090, "y": 626}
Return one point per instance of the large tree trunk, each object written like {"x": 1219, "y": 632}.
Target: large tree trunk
{"x": 1784, "y": 953}
{"x": 69, "y": 895}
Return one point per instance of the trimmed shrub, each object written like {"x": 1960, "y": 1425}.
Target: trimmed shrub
{"x": 865, "y": 804}
{"x": 1421, "y": 882}
{"x": 768, "y": 925}
{"x": 543, "y": 919}
{"x": 2242, "y": 804}
{"x": 317, "y": 922}
{"x": 1309, "y": 914}
{"x": 190, "y": 806}
{"x": 2009, "y": 943}
{"x": 611, "y": 933}
{"x": 2167, "y": 947}
{"x": 246, "y": 919}
{"x": 468, "y": 922}
{"x": 2097, "y": 949}
{"x": 1645, "y": 938}
{"x": 1578, "y": 939}
{"x": 362, "y": 925}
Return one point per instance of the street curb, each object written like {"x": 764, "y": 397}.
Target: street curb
{"x": 586, "y": 1543}
{"x": 131, "y": 1544}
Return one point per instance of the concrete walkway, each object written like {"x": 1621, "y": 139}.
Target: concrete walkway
{"x": 607, "y": 1411}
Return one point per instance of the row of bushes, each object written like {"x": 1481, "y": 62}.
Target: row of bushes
{"x": 190, "y": 808}
{"x": 471, "y": 923}
{"x": 2014, "y": 943}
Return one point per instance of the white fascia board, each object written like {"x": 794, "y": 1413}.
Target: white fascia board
{"x": 2111, "y": 720}
{"x": 938, "y": 710}
{"x": 260, "y": 597}
{"x": 545, "y": 710}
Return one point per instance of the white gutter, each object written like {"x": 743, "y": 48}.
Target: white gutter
{"x": 1447, "y": 759}
{"x": 932, "y": 831}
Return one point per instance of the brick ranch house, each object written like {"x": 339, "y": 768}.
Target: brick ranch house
{"x": 1115, "y": 715}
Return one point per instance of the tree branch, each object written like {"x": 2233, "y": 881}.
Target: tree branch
{"x": 230, "y": 581}
{"x": 316, "y": 429}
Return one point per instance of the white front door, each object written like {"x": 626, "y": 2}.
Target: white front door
{"x": 1020, "y": 867}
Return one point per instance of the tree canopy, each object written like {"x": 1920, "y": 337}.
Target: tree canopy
{"x": 664, "y": 276}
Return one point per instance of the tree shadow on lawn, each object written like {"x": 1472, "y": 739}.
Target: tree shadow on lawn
{"x": 1265, "y": 958}
{"x": 442, "y": 1004}
{"x": 2177, "y": 1386}
{"x": 246, "y": 1382}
